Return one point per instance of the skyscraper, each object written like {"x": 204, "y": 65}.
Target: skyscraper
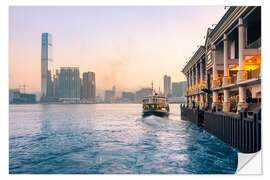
{"x": 109, "y": 95}
{"x": 69, "y": 84}
{"x": 167, "y": 85}
{"x": 46, "y": 60}
{"x": 89, "y": 86}
{"x": 178, "y": 89}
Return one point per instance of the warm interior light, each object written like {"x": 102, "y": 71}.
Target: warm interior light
{"x": 249, "y": 64}
{"x": 252, "y": 63}
{"x": 234, "y": 68}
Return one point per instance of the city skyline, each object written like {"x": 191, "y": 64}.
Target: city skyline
{"x": 116, "y": 49}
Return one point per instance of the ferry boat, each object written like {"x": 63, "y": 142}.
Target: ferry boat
{"x": 155, "y": 105}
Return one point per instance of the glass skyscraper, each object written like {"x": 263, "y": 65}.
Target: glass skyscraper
{"x": 89, "y": 86}
{"x": 46, "y": 65}
{"x": 69, "y": 84}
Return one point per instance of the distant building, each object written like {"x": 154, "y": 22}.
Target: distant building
{"x": 46, "y": 59}
{"x": 108, "y": 96}
{"x": 167, "y": 85}
{"x": 114, "y": 90}
{"x": 89, "y": 86}
{"x": 178, "y": 89}
{"x": 142, "y": 93}
{"x": 128, "y": 97}
{"x": 99, "y": 99}
{"x": 15, "y": 97}
{"x": 183, "y": 88}
{"x": 69, "y": 84}
{"x": 56, "y": 92}
{"x": 177, "y": 100}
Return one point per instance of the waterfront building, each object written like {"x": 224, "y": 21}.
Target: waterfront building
{"x": 177, "y": 100}
{"x": 89, "y": 86}
{"x": 13, "y": 94}
{"x": 108, "y": 96}
{"x": 224, "y": 74}
{"x": 56, "y": 88}
{"x": 128, "y": 97}
{"x": 140, "y": 94}
{"x": 46, "y": 61}
{"x": 114, "y": 90}
{"x": 16, "y": 97}
{"x": 69, "y": 84}
{"x": 178, "y": 89}
{"x": 167, "y": 85}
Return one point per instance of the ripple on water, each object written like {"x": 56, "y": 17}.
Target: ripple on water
{"x": 111, "y": 139}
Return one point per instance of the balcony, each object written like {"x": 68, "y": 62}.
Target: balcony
{"x": 254, "y": 45}
{"x": 232, "y": 80}
{"x": 252, "y": 74}
{"x": 219, "y": 82}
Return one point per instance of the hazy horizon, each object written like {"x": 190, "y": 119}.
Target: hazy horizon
{"x": 125, "y": 46}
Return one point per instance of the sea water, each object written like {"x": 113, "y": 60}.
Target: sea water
{"x": 111, "y": 139}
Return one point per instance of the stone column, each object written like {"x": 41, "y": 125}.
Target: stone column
{"x": 187, "y": 83}
{"x": 196, "y": 77}
{"x": 201, "y": 101}
{"x": 215, "y": 98}
{"x": 242, "y": 43}
{"x": 190, "y": 87}
{"x": 226, "y": 53}
{"x": 214, "y": 83}
{"x": 197, "y": 100}
{"x": 226, "y": 102}
{"x": 201, "y": 73}
{"x": 193, "y": 82}
{"x": 190, "y": 101}
{"x": 242, "y": 98}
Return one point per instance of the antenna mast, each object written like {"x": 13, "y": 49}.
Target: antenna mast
{"x": 152, "y": 87}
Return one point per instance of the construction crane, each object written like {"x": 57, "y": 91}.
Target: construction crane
{"x": 23, "y": 87}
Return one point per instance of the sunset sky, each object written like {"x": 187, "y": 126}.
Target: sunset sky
{"x": 125, "y": 46}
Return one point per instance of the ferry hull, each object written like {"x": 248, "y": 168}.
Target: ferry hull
{"x": 155, "y": 113}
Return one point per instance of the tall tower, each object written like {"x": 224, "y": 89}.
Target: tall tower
{"x": 46, "y": 59}
{"x": 89, "y": 86}
{"x": 167, "y": 85}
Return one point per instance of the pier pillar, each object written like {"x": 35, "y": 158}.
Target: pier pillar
{"x": 196, "y": 77}
{"x": 215, "y": 98}
{"x": 201, "y": 74}
{"x": 188, "y": 82}
{"x": 226, "y": 103}
{"x": 192, "y": 79}
{"x": 190, "y": 102}
{"x": 225, "y": 53}
{"x": 201, "y": 101}
{"x": 214, "y": 84}
{"x": 242, "y": 98}
{"x": 242, "y": 44}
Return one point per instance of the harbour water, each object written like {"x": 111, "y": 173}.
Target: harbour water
{"x": 111, "y": 139}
